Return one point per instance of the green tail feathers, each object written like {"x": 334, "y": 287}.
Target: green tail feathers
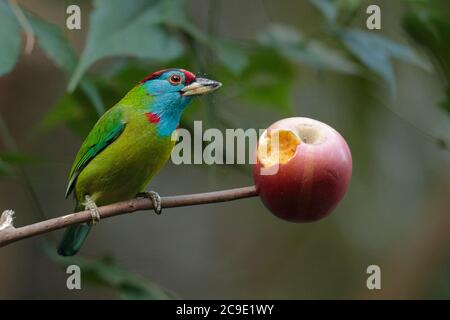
{"x": 73, "y": 238}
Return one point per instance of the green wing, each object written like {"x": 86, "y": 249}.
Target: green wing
{"x": 107, "y": 129}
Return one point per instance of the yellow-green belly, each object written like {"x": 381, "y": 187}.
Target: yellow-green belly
{"x": 126, "y": 166}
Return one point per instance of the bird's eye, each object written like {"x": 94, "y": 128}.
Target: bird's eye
{"x": 175, "y": 79}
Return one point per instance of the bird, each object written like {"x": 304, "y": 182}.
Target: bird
{"x": 128, "y": 145}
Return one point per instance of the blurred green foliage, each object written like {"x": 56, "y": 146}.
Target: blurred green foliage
{"x": 106, "y": 272}
{"x": 161, "y": 32}
{"x": 259, "y": 72}
{"x": 428, "y": 25}
{"x": 9, "y": 37}
{"x": 9, "y": 160}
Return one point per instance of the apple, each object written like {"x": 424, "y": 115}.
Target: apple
{"x": 303, "y": 169}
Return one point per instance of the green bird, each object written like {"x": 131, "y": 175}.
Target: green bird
{"x": 128, "y": 145}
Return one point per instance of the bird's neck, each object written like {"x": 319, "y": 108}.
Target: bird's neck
{"x": 168, "y": 109}
{"x": 164, "y": 111}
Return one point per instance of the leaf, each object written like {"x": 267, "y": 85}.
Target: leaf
{"x": 106, "y": 272}
{"x": 281, "y": 36}
{"x": 337, "y": 12}
{"x": 290, "y": 43}
{"x": 319, "y": 56}
{"x": 446, "y": 103}
{"x": 120, "y": 29}
{"x": 81, "y": 109}
{"x": 73, "y": 110}
{"x": 92, "y": 93}
{"x": 19, "y": 158}
{"x": 376, "y": 53}
{"x": 347, "y": 5}
{"x": 10, "y": 159}
{"x": 5, "y": 168}
{"x": 229, "y": 54}
{"x": 327, "y": 8}
{"x": 232, "y": 57}
{"x": 267, "y": 81}
{"x": 54, "y": 44}
{"x": 430, "y": 29}
{"x": 10, "y": 39}
{"x": 405, "y": 53}
{"x": 348, "y": 10}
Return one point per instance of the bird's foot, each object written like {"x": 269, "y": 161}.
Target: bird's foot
{"x": 155, "y": 197}
{"x": 90, "y": 205}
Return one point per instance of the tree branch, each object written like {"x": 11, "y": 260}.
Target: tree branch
{"x": 11, "y": 234}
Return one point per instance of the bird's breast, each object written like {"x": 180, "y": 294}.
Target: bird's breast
{"x": 127, "y": 165}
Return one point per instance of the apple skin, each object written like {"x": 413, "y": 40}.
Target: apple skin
{"x": 311, "y": 184}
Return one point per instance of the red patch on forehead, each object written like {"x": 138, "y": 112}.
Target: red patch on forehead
{"x": 189, "y": 76}
{"x": 152, "y": 117}
{"x": 153, "y": 75}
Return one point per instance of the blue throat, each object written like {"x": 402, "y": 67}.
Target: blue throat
{"x": 169, "y": 108}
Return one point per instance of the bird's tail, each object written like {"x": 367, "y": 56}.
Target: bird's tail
{"x": 73, "y": 238}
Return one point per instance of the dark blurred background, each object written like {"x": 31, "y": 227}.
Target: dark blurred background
{"x": 383, "y": 90}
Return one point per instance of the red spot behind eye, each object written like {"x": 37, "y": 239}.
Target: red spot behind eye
{"x": 189, "y": 76}
{"x": 152, "y": 117}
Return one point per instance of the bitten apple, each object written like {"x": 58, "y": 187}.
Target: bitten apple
{"x": 303, "y": 169}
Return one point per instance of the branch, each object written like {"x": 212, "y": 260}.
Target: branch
{"x": 11, "y": 234}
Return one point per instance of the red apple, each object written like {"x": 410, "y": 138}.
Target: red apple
{"x": 304, "y": 178}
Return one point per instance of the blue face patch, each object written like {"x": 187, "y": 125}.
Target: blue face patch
{"x": 168, "y": 101}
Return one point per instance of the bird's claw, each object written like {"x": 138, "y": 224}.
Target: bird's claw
{"x": 90, "y": 205}
{"x": 155, "y": 197}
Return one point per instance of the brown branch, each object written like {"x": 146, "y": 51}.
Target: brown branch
{"x": 11, "y": 234}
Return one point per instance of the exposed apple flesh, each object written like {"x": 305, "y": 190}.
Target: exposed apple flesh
{"x": 303, "y": 169}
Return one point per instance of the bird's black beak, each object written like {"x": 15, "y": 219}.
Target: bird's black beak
{"x": 200, "y": 86}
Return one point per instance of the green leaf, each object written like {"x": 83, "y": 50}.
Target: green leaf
{"x": 231, "y": 56}
{"x": 19, "y": 158}
{"x": 347, "y": 5}
{"x": 290, "y": 43}
{"x": 106, "y": 272}
{"x": 446, "y": 103}
{"x": 350, "y": 10}
{"x": 376, "y": 53}
{"x": 54, "y": 44}
{"x": 5, "y": 168}
{"x": 93, "y": 94}
{"x": 10, "y": 159}
{"x": 267, "y": 81}
{"x": 81, "y": 109}
{"x": 10, "y": 39}
{"x": 327, "y": 8}
{"x": 277, "y": 35}
{"x": 321, "y": 57}
{"x": 338, "y": 12}
{"x": 430, "y": 29}
{"x": 74, "y": 110}
{"x": 120, "y": 29}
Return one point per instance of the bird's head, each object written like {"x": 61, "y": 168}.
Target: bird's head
{"x": 172, "y": 90}
{"x": 177, "y": 85}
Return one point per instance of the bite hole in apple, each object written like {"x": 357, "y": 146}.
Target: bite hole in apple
{"x": 277, "y": 146}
